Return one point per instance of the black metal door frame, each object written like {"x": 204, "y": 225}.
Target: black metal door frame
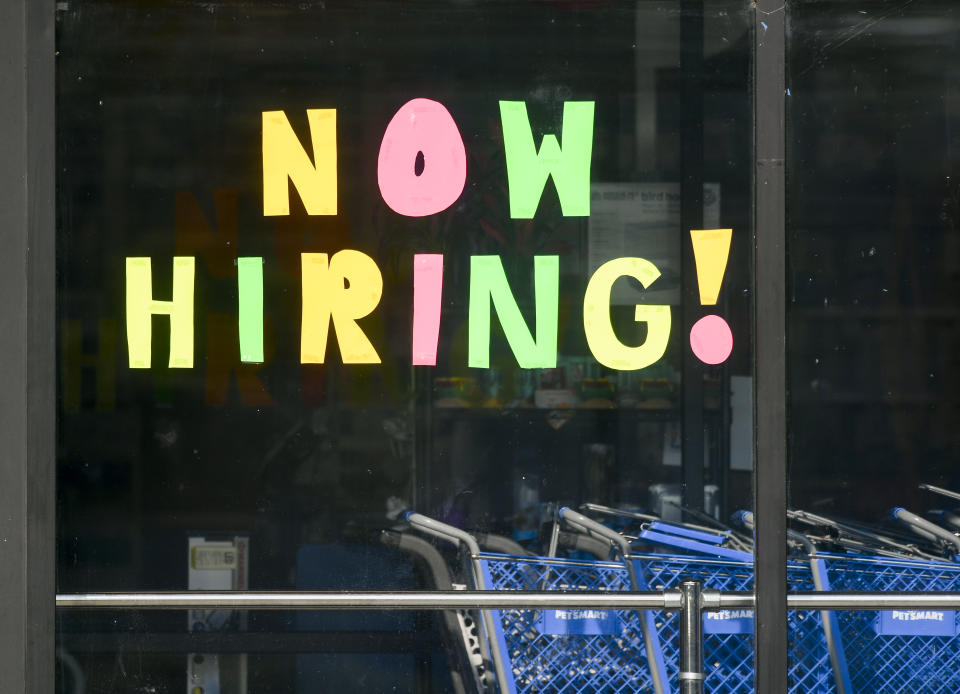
{"x": 770, "y": 369}
{"x": 27, "y": 286}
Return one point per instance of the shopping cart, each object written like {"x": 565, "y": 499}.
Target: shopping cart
{"x": 712, "y": 557}
{"x": 467, "y": 656}
{"x": 900, "y": 650}
{"x": 612, "y": 651}
{"x": 588, "y": 651}
{"x": 892, "y": 650}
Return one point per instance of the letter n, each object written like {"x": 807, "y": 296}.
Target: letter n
{"x": 488, "y": 283}
{"x": 284, "y": 158}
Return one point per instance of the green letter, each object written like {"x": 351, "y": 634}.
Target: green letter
{"x": 528, "y": 169}
{"x": 250, "y": 300}
{"x": 141, "y": 306}
{"x": 488, "y": 282}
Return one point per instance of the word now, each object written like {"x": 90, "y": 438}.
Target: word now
{"x": 422, "y": 165}
{"x": 347, "y": 286}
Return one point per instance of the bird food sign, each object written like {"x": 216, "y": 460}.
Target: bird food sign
{"x": 421, "y": 171}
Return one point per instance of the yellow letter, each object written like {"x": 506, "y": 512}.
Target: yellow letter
{"x": 604, "y": 345}
{"x": 141, "y": 306}
{"x": 345, "y": 289}
{"x": 283, "y": 157}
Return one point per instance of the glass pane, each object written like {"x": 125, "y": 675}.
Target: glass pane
{"x": 873, "y": 257}
{"x": 321, "y": 264}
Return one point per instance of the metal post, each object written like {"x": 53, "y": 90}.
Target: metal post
{"x": 770, "y": 371}
{"x": 691, "y": 639}
{"x": 27, "y": 339}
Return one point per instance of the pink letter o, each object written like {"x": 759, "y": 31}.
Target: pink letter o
{"x": 421, "y": 125}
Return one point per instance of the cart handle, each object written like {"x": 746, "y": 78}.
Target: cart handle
{"x": 618, "y": 512}
{"x": 682, "y": 531}
{"x": 941, "y": 491}
{"x": 695, "y": 546}
{"x": 443, "y": 531}
{"x": 923, "y": 527}
{"x": 590, "y": 526}
{"x": 745, "y": 519}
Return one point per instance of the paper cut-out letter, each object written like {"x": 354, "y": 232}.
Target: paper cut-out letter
{"x": 250, "y": 300}
{"x": 528, "y": 169}
{"x": 488, "y": 282}
{"x": 603, "y": 342}
{"x": 427, "y": 293}
{"x": 284, "y": 157}
{"x": 421, "y": 130}
{"x": 141, "y": 306}
{"x": 343, "y": 288}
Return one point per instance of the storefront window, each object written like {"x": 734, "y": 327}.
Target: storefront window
{"x": 322, "y": 264}
{"x": 872, "y": 206}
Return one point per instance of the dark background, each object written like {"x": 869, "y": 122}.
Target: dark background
{"x": 874, "y": 254}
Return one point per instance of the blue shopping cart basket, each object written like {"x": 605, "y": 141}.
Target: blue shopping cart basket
{"x": 584, "y": 651}
{"x": 815, "y": 655}
{"x": 590, "y": 651}
{"x": 900, "y": 650}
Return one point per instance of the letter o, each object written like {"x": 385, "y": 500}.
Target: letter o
{"x": 421, "y": 125}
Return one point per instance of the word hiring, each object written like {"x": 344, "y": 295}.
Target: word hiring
{"x": 421, "y": 170}
{"x": 347, "y": 286}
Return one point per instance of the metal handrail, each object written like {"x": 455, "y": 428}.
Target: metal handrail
{"x": 365, "y": 600}
{"x": 690, "y": 601}
{"x": 711, "y": 600}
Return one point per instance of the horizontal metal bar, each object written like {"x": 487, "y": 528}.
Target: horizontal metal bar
{"x": 873, "y": 601}
{"x": 407, "y": 600}
{"x": 712, "y": 600}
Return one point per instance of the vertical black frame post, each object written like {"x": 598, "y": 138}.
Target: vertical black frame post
{"x": 770, "y": 304}
{"x": 691, "y": 217}
{"x": 27, "y": 285}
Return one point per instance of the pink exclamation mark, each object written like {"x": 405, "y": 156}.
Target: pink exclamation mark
{"x": 427, "y": 292}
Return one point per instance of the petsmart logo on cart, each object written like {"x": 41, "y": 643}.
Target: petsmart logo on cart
{"x": 914, "y": 615}
{"x": 728, "y": 622}
{"x": 916, "y": 623}
{"x": 580, "y": 614}
{"x": 581, "y": 622}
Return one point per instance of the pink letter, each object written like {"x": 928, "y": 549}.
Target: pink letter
{"x": 421, "y": 130}
{"x": 427, "y": 288}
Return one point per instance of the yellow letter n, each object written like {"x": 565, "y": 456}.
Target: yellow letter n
{"x": 284, "y": 157}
